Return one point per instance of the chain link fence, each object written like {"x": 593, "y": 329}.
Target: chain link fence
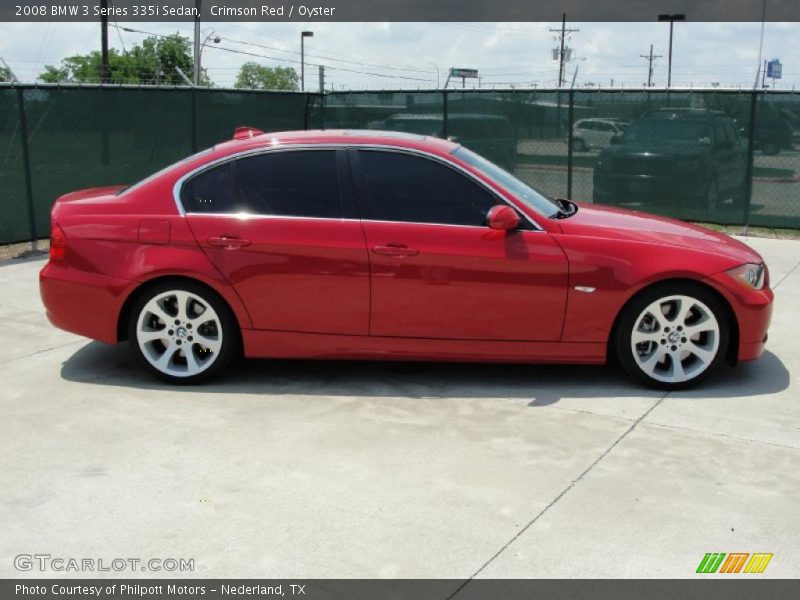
{"x": 727, "y": 157}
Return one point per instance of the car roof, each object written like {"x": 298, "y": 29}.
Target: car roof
{"x": 337, "y": 137}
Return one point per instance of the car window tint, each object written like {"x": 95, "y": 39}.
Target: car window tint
{"x": 210, "y": 191}
{"x": 293, "y": 183}
{"x": 414, "y": 189}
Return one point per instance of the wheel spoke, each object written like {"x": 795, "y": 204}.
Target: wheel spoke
{"x": 151, "y": 336}
{"x": 156, "y": 309}
{"x": 212, "y": 344}
{"x": 182, "y": 300}
{"x": 677, "y": 367}
{"x": 649, "y": 364}
{"x": 684, "y": 310}
{"x": 163, "y": 362}
{"x": 702, "y": 326}
{"x": 639, "y": 336}
{"x": 705, "y": 356}
{"x": 192, "y": 365}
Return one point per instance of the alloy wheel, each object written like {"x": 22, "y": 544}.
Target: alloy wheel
{"x": 675, "y": 339}
{"x": 179, "y": 333}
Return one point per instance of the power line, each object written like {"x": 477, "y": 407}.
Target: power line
{"x": 287, "y": 60}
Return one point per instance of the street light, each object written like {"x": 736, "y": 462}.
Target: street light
{"x": 671, "y": 19}
{"x": 303, "y": 36}
{"x": 199, "y": 70}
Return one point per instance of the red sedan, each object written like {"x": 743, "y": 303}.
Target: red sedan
{"x": 379, "y": 245}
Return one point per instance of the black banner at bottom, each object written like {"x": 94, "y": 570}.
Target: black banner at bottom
{"x": 733, "y": 588}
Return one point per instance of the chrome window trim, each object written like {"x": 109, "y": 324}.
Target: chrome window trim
{"x": 177, "y": 187}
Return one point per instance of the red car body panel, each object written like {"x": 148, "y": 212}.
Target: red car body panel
{"x": 352, "y": 288}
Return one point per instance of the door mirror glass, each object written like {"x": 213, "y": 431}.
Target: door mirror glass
{"x": 503, "y": 217}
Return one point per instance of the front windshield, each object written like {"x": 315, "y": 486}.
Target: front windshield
{"x": 526, "y": 194}
{"x": 667, "y": 130}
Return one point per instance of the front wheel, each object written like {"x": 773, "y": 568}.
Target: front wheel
{"x": 183, "y": 332}
{"x": 672, "y": 337}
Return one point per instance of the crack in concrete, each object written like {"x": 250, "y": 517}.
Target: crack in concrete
{"x": 42, "y": 351}
{"x": 563, "y": 493}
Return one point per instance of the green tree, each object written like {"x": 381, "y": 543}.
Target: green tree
{"x": 259, "y": 77}
{"x": 5, "y": 73}
{"x": 153, "y": 61}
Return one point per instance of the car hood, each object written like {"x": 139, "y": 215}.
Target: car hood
{"x": 634, "y": 226}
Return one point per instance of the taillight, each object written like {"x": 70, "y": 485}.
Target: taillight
{"x": 58, "y": 243}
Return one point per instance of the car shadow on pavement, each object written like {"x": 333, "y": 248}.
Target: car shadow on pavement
{"x": 101, "y": 364}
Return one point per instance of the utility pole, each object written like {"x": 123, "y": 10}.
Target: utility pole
{"x": 650, "y": 58}
{"x": 104, "y": 70}
{"x": 562, "y": 35}
{"x": 196, "y": 77}
{"x": 322, "y": 79}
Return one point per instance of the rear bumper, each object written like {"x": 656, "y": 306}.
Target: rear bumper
{"x": 84, "y": 303}
{"x": 753, "y": 312}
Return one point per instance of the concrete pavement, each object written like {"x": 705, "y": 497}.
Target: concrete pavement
{"x": 304, "y": 469}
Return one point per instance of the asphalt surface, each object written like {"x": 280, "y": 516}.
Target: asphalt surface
{"x": 304, "y": 469}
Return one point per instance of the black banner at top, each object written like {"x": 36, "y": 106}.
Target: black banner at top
{"x": 400, "y": 10}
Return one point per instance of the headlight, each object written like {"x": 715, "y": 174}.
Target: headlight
{"x": 751, "y": 276}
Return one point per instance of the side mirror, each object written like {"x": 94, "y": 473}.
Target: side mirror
{"x": 503, "y": 217}
{"x": 615, "y": 139}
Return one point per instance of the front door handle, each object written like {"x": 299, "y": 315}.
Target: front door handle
{"x": 228, "y": 242}
{"x": 395, "y": 250}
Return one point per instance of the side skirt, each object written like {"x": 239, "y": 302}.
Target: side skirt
{"x": 279, "y": 344}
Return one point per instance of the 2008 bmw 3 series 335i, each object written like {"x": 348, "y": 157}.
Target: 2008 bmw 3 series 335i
{"x": 382, "y": 245}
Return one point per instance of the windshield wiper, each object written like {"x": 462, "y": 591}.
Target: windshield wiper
{"x": 566, "y": 208}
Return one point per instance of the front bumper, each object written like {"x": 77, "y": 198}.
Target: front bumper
{"x": 80, "y": 302}
{"x": 753, "y": 312}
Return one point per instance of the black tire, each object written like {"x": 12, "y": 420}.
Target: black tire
{"x": 630, "y": 315}
{"x": 578, "y": 145}
{"x": 223, "y": 332}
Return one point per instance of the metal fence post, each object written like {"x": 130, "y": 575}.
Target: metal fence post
{"x": 444, "y": 114}
{"x": 322, "y": 108}
{"x": 26, "y": 167}
{"x": 194, "y": 120}
{"x": 748, "y": 195}
{"x": 570, "y": 116}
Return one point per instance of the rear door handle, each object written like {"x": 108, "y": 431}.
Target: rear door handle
{"x": 395, "y": 250}
{"x": 228, "y": 242}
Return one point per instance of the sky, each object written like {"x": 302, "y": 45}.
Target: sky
{"x": 413, "y": 55}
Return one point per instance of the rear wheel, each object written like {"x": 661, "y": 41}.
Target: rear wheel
{"x": 578, "y": 145}
{"x": 183, "y": 332}
{"x": 672, "y": 337}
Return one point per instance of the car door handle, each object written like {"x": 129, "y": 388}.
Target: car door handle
{"x": 395, "y": 250}
{"x": 228, "y": 242}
